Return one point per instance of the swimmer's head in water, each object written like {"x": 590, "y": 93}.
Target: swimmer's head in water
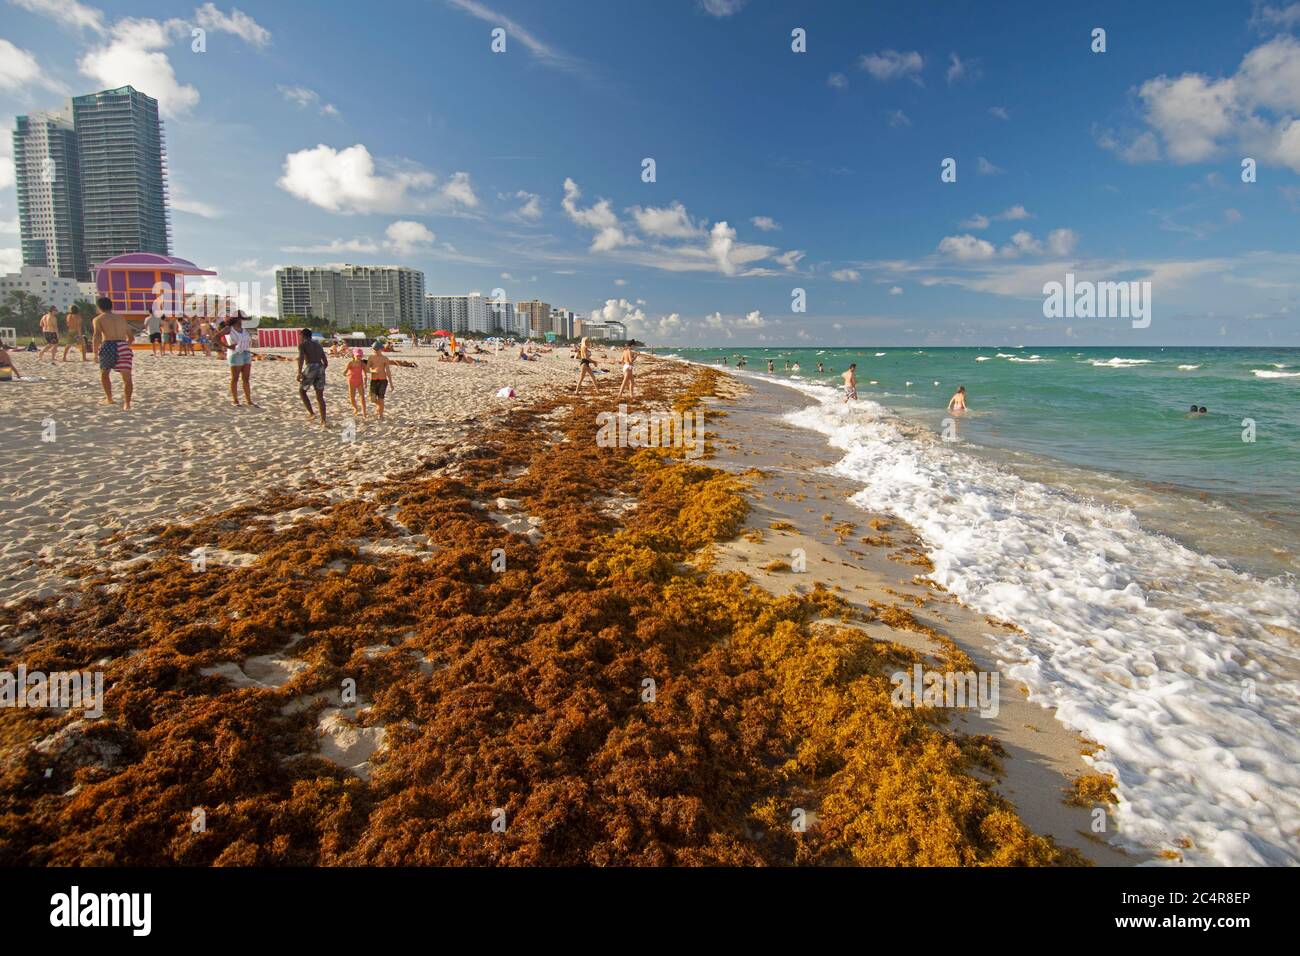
{"x": 1202, "y": 409}
{"x": 1193, "y": 408}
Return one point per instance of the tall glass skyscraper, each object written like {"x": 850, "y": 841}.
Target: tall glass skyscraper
{"x": 123, "y": 174}
{"x": 47, "y": 175}
{"x": 92, "y": 182}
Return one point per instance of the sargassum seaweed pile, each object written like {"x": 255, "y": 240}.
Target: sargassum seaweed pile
{"x": 604, "y": 698}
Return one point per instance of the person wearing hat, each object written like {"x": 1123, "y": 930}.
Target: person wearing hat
{"x": 312, "y": 363}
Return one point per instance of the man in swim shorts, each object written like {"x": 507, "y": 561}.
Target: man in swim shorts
{"x": 381, "y": 376}
{"x": 112, "y": 343}
{"x": 851, "y": 383}
{"x": 312, "y": 363}
{"x": 50, "y": 331}
{"x": 76, "y": 337}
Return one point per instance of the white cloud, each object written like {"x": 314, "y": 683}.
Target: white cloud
{"x": 1267, "y": 17}
{"x": 406, "y": 236}
{"x": 532, "y": 207}
{"x": 599, "y": 218}
{"x": 893, "y": 65}
{"x": 20, "y": 71}
{"x": 789, "y": 260}
{"x": 302, "y": 97}
{"x": 670, "y": 222}
{"x": 1022, "y": 242}
{"x": 1014, "y": 213}
{"x": 6, "y": 154}
{"x": 959, "y": 69}
{"x": 765, "y": 223}
{"x": 846, "y": 275}
{"x": 967, "y": 248}
{"x": 1000, "y": 112}
{"x": 985, "y": 168}
{"x": 897, "y": 118}
{"x": 721, "y": 240}
{"x": 544, "y": 52}
{"x": 721, "y": 8}
{"x": 1061, "y": 242}
{"x": 133, "y": 57}
{"x": 346, "y": 181}
{"x": 752, "y": 320}
{"x": 193, "y": 206}
{"x": 70, "y": 13}
{"x": 976, "y": 221}
{"x": 236, "y": 22}
{"x": 837, "y": 81}
{"x": 11, "y": 260}
{"x": 367, "y": 246}
{"x": 896, "y": 290}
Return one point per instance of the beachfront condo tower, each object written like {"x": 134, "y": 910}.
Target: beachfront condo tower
{"x": 123, "y": 174}
{"x": 348, "y": 296}
{"x": 92, "y": 182}
{"x": 537, "y": 313}
{"x": 47, "y": 175}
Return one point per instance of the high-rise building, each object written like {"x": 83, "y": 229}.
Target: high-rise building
{"x": 123, "y": 160}
{"x": 47, "y": 174}
{"x": 538, "y": 314}
{"x": 92, "y": 182}
{"x": 47, "y": 285}
{"x": 389, "y": 296}
{"x": 458, "y": 313}
{"x": 562, "y": 322}
{"x": 505, "y": 320}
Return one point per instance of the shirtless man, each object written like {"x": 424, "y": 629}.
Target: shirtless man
{"x": 851, "y": 383}
{"x": 50, "y": 329}
{"x": 312, "y": 363}
{"x": 958, "y": 401}
{"x": 75, "y": 335}
{"x": 381, "y": 376}
{"x": 112, "y": 343}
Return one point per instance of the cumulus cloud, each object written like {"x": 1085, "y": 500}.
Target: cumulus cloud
{"x": 837, "y": 81}
{"x": 897, "y": 119}
{"x": 977, "y": 221}
{"x": 896, "y": 290}
{"x": 531, "y": 209}
{"x": 69, "y": 13}
{"x": 600, "y": 218}
{"x": 669, "y": 222}
{"x": 967, "y": 248}
{"x": 765, "y": 223}
{"x": 405, "y": 236}
{"x": 133, "y": 56}
{"x": 721, "y": 8}
{"x": 346, "y": 181}
{"x": 893, "y": 65}
{"x": 303, "y": 98}
{"x": 985, "y": 168}
{"x": 20, "y": 71}
{"x": 789, "y": 260}
{"x": 960, "y": 70}
{"x": 846, "y": 275}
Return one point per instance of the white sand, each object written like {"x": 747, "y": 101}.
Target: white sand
{"x": 183, "y": 450}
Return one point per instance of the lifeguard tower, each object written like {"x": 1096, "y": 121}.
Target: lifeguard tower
{"x": 137, "y": 281}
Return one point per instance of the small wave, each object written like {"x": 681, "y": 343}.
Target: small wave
{"x": 983, "y": 358}
{"x": 878, "y": 354}
{"x": 1120, "y": 362}
{"x": 1187, "y": 368}
{"x": 1032, "y": 360}
{"x": 1269, "y": 373}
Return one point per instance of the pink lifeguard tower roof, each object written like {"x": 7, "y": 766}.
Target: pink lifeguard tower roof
{"x": 151, "y": 260}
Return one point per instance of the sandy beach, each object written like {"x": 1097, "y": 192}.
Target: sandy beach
{"x": 77, "y": 471}
{"x": 464, "y": 611}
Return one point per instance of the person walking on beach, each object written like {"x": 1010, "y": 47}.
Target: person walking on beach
{"x": 75, "y": 335}
{"x": 50, "y": 331}
{"x": 381, "y": 376}
{"x": 231, "y": 333}
{"x": 851, "y": 383}
{"x": 585, "y": 366}
{"x": 958, "y": 401}
{"x": 312, "y": 363}
{"x": 112, "y": 344}
{"x": 356, "y": 375}
{"x": 154, "y": 326}
{"x": 628, "y": 358}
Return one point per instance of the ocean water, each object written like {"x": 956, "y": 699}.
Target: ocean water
{"x": 1149, "y": 556}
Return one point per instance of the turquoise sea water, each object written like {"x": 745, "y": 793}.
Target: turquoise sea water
{"x": 1118, "y": 416}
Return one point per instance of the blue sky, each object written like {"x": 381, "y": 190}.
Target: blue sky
{"x": 324, "y": 132}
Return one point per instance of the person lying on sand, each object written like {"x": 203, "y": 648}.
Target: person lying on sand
{"x": 958, "y": 401}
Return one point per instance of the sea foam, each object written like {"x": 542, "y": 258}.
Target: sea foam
{"x": 1178, "y": 666}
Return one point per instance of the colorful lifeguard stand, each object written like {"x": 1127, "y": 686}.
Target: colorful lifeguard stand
{"x": 134, "y": 280}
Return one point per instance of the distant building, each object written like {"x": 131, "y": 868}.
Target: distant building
{"x": 47, "y": 174}
{"x": 45, "y": 284}
{"x": 91, "y": 182}
{"x": 457, "y": 313}
{"x": 562, "y": 322}
{"x": 610, "y": 331}
{"x": 505, "y": 320}
{"x": 537, "y": 313}
{"x": 347, "y": 296}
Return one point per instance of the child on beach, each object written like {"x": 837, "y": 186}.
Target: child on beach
{"x": 851, "y": 383}
{"x": 958, "y": 401}
{"x": 356, "y": 375}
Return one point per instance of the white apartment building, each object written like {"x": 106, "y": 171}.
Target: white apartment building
{"x": 459, "y": 313}
{"x": 346, "y": 296}
{"x": 45, "y": 284}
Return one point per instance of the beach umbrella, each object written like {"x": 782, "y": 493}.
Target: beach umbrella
{"x": 442, "y": 332}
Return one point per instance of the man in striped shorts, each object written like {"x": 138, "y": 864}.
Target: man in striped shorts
{"x": 112, "y": 343}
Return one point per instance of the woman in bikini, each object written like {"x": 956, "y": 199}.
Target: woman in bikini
{"x": 628, "y": 358}
{"x": 586, "y": 367}
{"x": 958, "y": 401}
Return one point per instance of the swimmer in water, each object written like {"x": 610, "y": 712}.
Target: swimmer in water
{"x": 819, "y": 367}
{"x": 770, "y": 366}
{"x": 851, "y": 383}
{"x": 958, "y": 401}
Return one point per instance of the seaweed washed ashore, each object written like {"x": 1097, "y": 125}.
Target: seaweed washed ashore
{"x": 516, "y": 654}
